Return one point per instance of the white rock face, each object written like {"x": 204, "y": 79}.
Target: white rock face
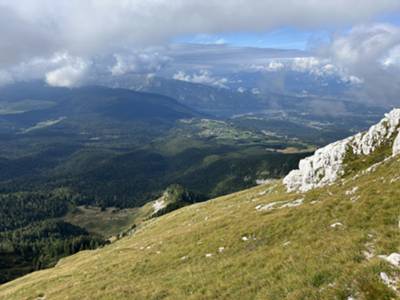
{"x": 158, "y": 205}
{"x": 390, "y": 282}
{"x": 393, "y": 259}
{"x": 326, "y": 165}
{"x": 366, "y": 143}
{"x": 396, "y": 145}
{"x": 337, "y": 224}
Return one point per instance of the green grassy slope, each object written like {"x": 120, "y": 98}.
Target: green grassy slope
{"x": 107, "y": 222}
{"x": 227, "y": 249}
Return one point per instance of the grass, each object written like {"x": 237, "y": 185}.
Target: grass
{"x": 354, "y": 163}
{"x": 108, "y": 222}
{"x": 111, "y": 221}
{"x": 288, "y": 253}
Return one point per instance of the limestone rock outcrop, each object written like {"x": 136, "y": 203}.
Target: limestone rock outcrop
{"x": 327, "y": 163}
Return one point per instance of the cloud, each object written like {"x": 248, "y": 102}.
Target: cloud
{"x": 23, "y": 38}
{"x": 366, "y": 57}
{"x": 369, "y": 53}
{"x": 60, "y": 69}
{"x": 323, "y": 67}
{"x": 275, "y": 66}
{"x": 220, "y": 41}
{"x": 303, "y": 64}
{"x": 69, "y": 74}
{"x": 67, "y": 41}
{"x": 207, "y": 39}
{"x": 203, "y": 77}
{"x": 5, "y": 78}
{"x": 88, "y": 28}
{"x": 313, "y": 65}
{"x": 272, "y": 65}
{"x": 392, "y": 58}
{"x": 138, "y": 62}
{"x": 364, "y": 44}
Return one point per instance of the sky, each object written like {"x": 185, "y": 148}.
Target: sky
{"x": 67, "y": 42}
{"x": 285, "y": 37}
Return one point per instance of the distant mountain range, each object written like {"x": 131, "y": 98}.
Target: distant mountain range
{"x": 28, "y": 104}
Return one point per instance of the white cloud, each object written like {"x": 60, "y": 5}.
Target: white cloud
{"x": 60, "y": 69}
{"x": 275, "y": 66}
{"x": 89, "y": 28}
{"x": 317, "y": 66}
{"x": 68, "y": 75}
{"x": 220, "y": 42}
{"x": 241, "y": 90}
{"x": 322, "y": 67}
{"x": 364, "y": 44}
{"x": 392, "y": 58}
{"x": 138, "y": 62}
{"x": 272, "y": 65}
{"x": 369, "y": 54}
{"x": 109, "y": 36}
{"x": 306, "y": 64}
{"x": 203, "y": 77}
